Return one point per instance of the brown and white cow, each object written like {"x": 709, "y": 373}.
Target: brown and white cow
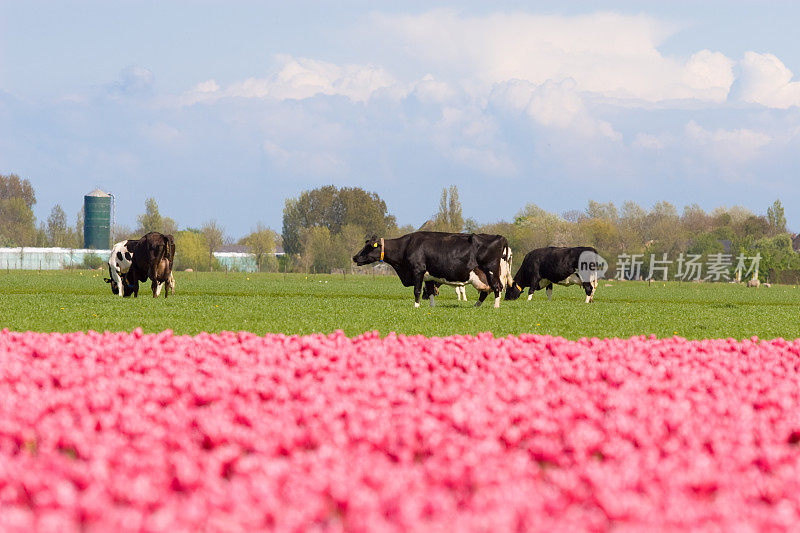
{"x": 153, "y": 258}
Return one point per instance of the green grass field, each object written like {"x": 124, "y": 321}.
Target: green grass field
{"x": 80, "y": 300}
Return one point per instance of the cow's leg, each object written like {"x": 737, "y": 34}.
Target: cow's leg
{"x": 589, "y": 291}
{"x": 549, "y": 292}
{"x": 430, "y": 290}
{"x": 133, "y": 279}
{"x": 481, "y": 297}
{"x": 418, "y": 287}
{"x": 462, "y": 292}
{"x": 119, "y": 280}
{"x": 159, "y": 286}
{"x": 154, "y": 287}
{"x": 535, "y": 282}
{"x": 496, "y": 285}
{"x": 590, "y": 287}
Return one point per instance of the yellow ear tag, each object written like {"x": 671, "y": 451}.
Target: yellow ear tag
{"x": 375, "y": 245}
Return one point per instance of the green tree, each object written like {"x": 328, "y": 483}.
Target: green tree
{"x": 705, "y": 244}
{"x": 351, "y": 240}
{"x": 17, "y": 223}
{"x": 332, "y": 209}
{"x": 41, "y": 240}
{"x": 695, "y": 220}
{"x": 168, "y": 226}
{"x": 77, "y": 234}
{"x": 776, "y": 255}
{"x": 57, "y": 226}
{"x": 776, "y": 218}
{"x": 191, "y": 251}
{"x": 534, "y": 228}
{"x": 603, "y": 211}
{"x": 319, "y": 249}
{"x": 261, "y": 242}
{"x": 12, "y": 186}
{"x": 151, "y": 219}
{"x": 449, "y": 217}
{"x": 357, "y": 207}
{"x": 454, "y": 215}
{"x": 632, "y": 223}
{"x": 756, "y": 227}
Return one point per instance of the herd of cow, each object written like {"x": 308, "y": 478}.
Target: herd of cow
{"x": 423, "y": 259}
{"x": 427, "y": 259}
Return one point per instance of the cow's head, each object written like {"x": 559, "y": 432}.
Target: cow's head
{"x": 513, "y": 291}
{"x": 127, "y": 285}
{"x": 428, "y": 293}
{"x": 370, "y": 253}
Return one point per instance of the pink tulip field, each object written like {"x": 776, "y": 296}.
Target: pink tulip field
{"x": 237, "y": 432}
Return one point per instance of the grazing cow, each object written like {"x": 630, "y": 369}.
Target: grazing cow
{"x": 153, "y": 258}
{"x": 432, "y": 288}
{"x": 429, "y": 257}
{"x": 543, "y": 267}
{"x": 118, "y": 265}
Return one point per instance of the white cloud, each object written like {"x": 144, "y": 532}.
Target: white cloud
{"x": 648, "y": 141}
{"x": 297, "y": 79}
{"x": 208, "y": 86}
{"x": 429, "y": 90}
{"x": 551, "y": 104}
{"x": 709, "y": 75}
{"x": 610, "y": 54}
{"x": 132, "y": 80}
{"x": 738, "y": 145}
{"x": 765, "y": 80}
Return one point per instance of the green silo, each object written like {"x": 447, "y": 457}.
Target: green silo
{"x": 97, "y": 220}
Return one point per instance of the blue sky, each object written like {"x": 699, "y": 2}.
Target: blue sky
{"x": 222, "y": 110}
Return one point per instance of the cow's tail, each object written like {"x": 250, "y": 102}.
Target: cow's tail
{"x": 505, "y": 267}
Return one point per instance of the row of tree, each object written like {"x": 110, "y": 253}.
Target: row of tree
{"x": 18, "y": 224}
{"x": 323, "y": 227}
{"x": 324, "y": 237}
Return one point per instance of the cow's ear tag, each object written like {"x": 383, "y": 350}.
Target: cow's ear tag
{"x": 375, "y": 245}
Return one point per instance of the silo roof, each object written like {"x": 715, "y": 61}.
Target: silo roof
{"x": 98, "y": 192}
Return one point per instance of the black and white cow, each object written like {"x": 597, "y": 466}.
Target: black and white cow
{"x": 544, "y": 267}
{"x": 430, "y": 258}
{"x": 153, "y": 258}
{"x": 432, "y": 289}
{"x": 118, "y": 265}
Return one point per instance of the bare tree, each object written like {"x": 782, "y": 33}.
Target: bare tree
{"x": 57, "y": 226}
{"x": 215, "y": 236}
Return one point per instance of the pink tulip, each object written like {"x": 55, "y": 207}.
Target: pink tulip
{"x": 117, "y": 431}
